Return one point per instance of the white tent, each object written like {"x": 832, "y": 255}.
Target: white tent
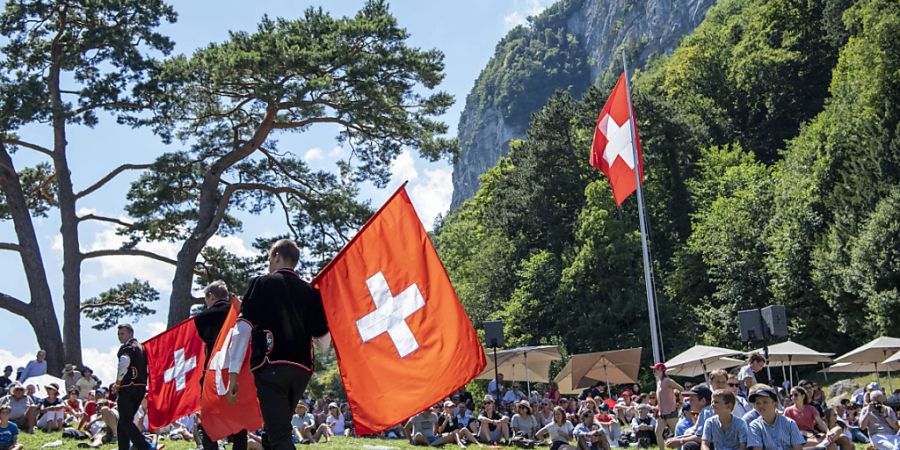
{"x": 40, "y": 383}
{"x": 874, "y": 352}
{"x": 790, "y": 353}
{"x": 702, "y": 359}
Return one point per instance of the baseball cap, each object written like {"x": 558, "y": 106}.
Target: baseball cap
{"x": 765, "y": 392}
{"x": 449, "y": 404}
{"x": 659, "y": 366}
{"x": 873, "y": 386}
{"x": 702, "y": 391}
{"x": 626, "y": 394}
{"x": 332, "y": 405}
{"x": 16, "y": 386}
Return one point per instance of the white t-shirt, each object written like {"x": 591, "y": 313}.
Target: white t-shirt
{"x": 560, "y": 433}
{"x": 745, "y": 372}
{"x": 338, "y": 422}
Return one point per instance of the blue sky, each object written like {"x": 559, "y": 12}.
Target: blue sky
{"x": 466, "y": 31}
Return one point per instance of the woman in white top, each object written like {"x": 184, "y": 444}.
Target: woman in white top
{"x": 335, "y": 420}
{"x": 560, "y": 431}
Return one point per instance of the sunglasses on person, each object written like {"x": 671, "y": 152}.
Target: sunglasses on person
{"x": 734, "y": 384}
{"x": 488, "y": 402}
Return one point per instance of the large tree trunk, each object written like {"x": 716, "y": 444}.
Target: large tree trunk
{"x": 181, "y": 299}
{"x": 69, "y": 221}
{"x": 39, "y": 311}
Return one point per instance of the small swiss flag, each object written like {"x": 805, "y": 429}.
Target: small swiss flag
{"x": 402, "y": 337}
{"x": 611, "y": 151}
{"x": 175, "y": 360}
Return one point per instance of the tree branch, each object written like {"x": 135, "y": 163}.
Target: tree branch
{"x": 10, "y": 246}
{"x": 14, "y": 305}
{"x": 29, "y": 145}
{"x": 113, "y": 302}
{"x": 128, "y": 252}
{"x": 105, "y": 219}
{"x": 110, "y": 176}
{"x": 232, "y": 188}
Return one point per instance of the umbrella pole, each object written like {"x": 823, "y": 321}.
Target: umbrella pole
{"x": 496, "y": 380}
{"x": 877, "y": 375}
{"x": 609, "y": 391}
{"x": 527, "y": 379}
{"x": 890, "y": 381}
{"x": 783, "y": 373}
{"x": 825, "y": 372}
{"x": 791, "y": 364}
{"x": 705, "y": 375}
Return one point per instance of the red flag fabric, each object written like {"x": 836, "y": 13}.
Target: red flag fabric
{"x": 175, "y": 360}
{"x": 402, "y": 338}
{"x": 221, "y": 418}
{"x": 611, "y": 150}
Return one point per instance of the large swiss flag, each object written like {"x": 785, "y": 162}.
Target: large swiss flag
{"x": 220, "y": 417}
{"x": 402, "y": 338}
{"x": 175, "y": 360}
{"x": 611, "y": 151}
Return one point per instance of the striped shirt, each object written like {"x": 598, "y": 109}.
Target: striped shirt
{"x": 781, "y": 435}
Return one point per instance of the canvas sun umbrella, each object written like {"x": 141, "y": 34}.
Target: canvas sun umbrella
{"x": 893, "y": 362}
{"x": 41, "y": 381}
{"x": 611, "y": 367}
{"x": 874, "y": 352}
{"x": 701, "y": 359}
{"x": 790, "y": 353}
{"x": 522, "y": 364}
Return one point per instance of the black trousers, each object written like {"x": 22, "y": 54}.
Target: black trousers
{"x": 691, "y": 446}
{"x": 279, "y": 388}
{"x": 128, "y": 401}
{"x": 238, "y": 440}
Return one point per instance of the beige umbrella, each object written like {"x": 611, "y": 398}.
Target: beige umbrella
{"x": 612, "y": 367}
{"x": 848, "y": 367}
{"x": 893, "y": 362}
{"x": 522, "y": 364}
{"x": 790, "y": 353}
{"x": 701, "y": 359}
{"x": 874, "y": 353}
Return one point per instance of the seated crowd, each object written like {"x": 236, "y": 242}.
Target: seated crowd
{"x": 730, "y": 412}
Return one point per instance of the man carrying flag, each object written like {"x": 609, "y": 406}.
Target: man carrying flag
{"x": 280, "y": 315}
{"x": 209, "y": 323}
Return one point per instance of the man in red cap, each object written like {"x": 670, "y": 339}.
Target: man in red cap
{"x": 665, "y": 396}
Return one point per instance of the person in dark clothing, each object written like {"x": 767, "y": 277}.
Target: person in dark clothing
{"x": 209, "y": 323}
{"x": 280, "y": 315}
{"x": 131, "y": 386}
{"x": 5, "y": 380}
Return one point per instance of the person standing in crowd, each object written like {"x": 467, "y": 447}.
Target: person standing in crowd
{"x": 666, "y": 404}
{"x": 280, "y": 316}
{"x": 209, "y": 323}
{"x": 747, "y": 374}
{"x": 130, "y": 386}
{"x": 70, "y": 376}
{"x": 35, "y": 368}
{"x": 724, "y": 430}
{"x": 6, "y": 380}
{"x": 772, "y": 431}
{"x": 880, "y": 421}
{"x": 85, "y": 383}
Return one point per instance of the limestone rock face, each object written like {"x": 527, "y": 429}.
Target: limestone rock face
{"x": 592, "y": 35}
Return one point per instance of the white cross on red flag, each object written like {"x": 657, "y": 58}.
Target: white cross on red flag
{"x": 175, "y": 360}
{"x": 611, "y": 151}
{"x": 402, "y": 338}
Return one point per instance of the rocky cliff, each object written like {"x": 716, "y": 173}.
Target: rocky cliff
{"x": 568, "y": 46}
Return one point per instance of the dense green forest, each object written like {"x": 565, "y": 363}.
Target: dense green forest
{"x": 772, "y": 161}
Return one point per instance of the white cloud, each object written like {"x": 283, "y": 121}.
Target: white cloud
{"x": 158, "y": 274}
{"x": 336, "y": 152}
{"x": 7, "y": 358}
{"x": 432, "y": 196}
{"x": 233, "y": 244}
{"x": 102, "y": 363}
{"x": 404, "y": 168}
{"x": 522, "y": 9}
{"x": 313, "y": 154}
{"x": 154, "y": 328}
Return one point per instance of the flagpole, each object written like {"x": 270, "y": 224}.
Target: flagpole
{"x": 648, "y": 280}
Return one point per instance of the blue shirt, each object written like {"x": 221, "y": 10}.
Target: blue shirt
{"x": 781, "y": 435}
{"x": 683, "y": 426}
{"x": 8, "y": 434}
{"x": 705, "y": 414}
{"x": 722, "y": 439}
{"x": 33, "y": 369}
{"x": 750, "y": 416}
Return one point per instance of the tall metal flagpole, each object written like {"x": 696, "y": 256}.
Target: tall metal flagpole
{"x": 648, "y": 280}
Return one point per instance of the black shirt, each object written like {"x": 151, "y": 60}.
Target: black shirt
{"x": 286, "y": 313}
{"x": 4, "y": 384}
{"x": 209, "y": 322}
{"x": 495, "y": 416}
{"x": 136, "y": 374}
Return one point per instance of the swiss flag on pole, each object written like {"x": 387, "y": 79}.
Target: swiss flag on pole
{"x": 221, "y": 418}
{"x": 611, "y": 151}
{"x": 175, "y": 360}
{"x": 402, "y": 338}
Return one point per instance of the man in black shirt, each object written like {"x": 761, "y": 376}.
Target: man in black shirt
{"x": 209, "y": 323}
{"x": 131, "y": 385}
{"x": 285, "y": 314}
{"x": 5, "y": 380}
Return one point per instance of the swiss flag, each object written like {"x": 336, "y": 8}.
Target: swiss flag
{"x": 611, "y": 151}
{"x": 402, "y": 338}
{"x": 175, "y": 360}
{"x": 221, "y": 418}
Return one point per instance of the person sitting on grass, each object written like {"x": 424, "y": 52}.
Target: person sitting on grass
{"x": 73, "y": 406}
{"x": 700, "y": 398}
{"x": 335, "y": 421}
{"x": 422, "y": 427}
{"x": 724, "y": 430}
{"x": 52, "y": 411}
{"x": 806, "y": 416}
{"x": 451, "y": 428}
{"x": 559, "y": 430}
{"x": 23, "y": 411}
{"x": 609, "y": 423}
{"x": 644, "y": 427}
{"x": 523, "y": 423}
{"x": 880, "y": 421}
{"x": 772, "y": 431}
{"x": 9, "y": 432}
{"x": 494, "y": 426}
{"x": 626, "y": 409}
{"x": 589, "y": 435}
{"x": 838, "y": 437}
{"x": 303, "y": 424}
